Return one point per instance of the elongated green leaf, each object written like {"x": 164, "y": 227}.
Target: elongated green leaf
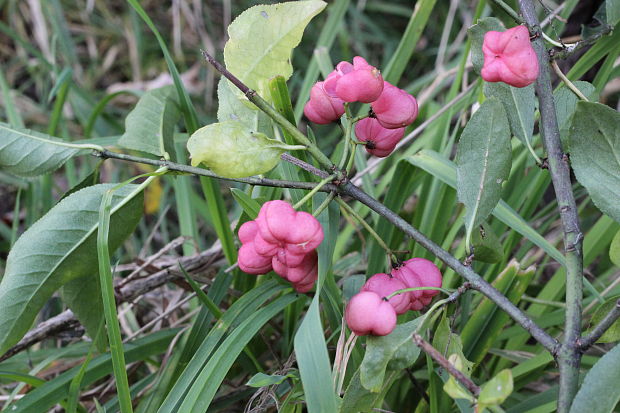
{"x": 487, "y": 246}
{"x": 249, "y": 205}
{"x": 520, "y": 105}
{"x": 309, "y": 342}
{"x": 613, "y": 333}
{"x": 200, "y": 395}
{"x": 263, "y": 380}
{"x": 45, "y": 396}
{"x": 149, "y": 127}
{"x": 58, "y": 248}
{"x": 442, "y": 168}
{"x": 231, "y": 150}
{"x": 262, "y": 38}
{"x": 595, "y": 154}
{"x": 483, "y": 162}
{"x": 599, "y": 392}
{"x": 29, "y": 153}
{"x": 396, "y": 351}
{"x": 243, "y": 308}
{"x": 612, "y": 11}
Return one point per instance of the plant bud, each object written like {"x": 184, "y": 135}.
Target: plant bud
{"x": 395, "y": 108}
{"x": 322, "y": 108}
{"x": 509, "y": 57}
{"x": 368, "y": 313}
{"x": 380, "y": 141}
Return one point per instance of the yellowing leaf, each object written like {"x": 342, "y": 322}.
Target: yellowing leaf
{"x": 262, "y": 38}
{"x": 231, "y": 150}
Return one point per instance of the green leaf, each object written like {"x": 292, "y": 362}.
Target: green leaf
{"x": 202, "y": 391}
{"x": 233, "y": 105}
{"x": 309, "y": 341}
{"x": 262, "y": 38}
{"x": 58, "y": 248}
{"x": 613, "y": 333}
{"x": 232, "y": 151}
{"x": 520, "y": 105}
{"x": 496, "y": 390}
{"x": 249, "y": 205}
{"x": 264, "y": 380}
{"x": 448, "y": 343}
{"x": 83, "y": 297}
{"x": 476, "y": 36}
{"x": 566, "y": 103}
{"x": 149, "y": 127}
{"x": 483, "y": 161}
{"x": 453, "y": 388}
{"x": 614, "y": 250}
{"x": 442, "y": 168}
{"x": 599, "y": 392}
{"x": 487, "y": 246}
{"x": 242, "y": 309}
{"x": 395, "y": 351}
{"x": 45, "y": 396}
{"x": 612, "y": 9}
{"x": 29, "y": 153}
{"x": 595, "y": 154}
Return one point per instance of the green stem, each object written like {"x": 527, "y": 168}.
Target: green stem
{"x": 406, "y": 290}
{"x": 368, "y": 228}
{"x": 567, "y": 82}
{"x": 324, "y": 204}
{"x": 314, "y": 190}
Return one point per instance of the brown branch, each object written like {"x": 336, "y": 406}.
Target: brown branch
{"x": 449, "y": 367}
{"x": 194, "y": 265}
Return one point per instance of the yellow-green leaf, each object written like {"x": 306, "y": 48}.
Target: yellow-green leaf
{"x": 262, "y": 38}
{"x": 231, "y": 150}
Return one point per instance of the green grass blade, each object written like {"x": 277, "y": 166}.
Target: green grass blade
{"x": 109, "y": 305}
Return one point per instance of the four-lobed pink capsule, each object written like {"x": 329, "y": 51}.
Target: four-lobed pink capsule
{"x": 284, "y": 240}
{"x": 509, "y": 57}
{"x": 370, "y": 312}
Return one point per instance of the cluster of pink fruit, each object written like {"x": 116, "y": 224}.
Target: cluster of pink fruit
{"x": 392, "y": 108}
{"x": 283, "y": 240}
{"x": 370, "y": 312}
{"x": 509, "y": 57}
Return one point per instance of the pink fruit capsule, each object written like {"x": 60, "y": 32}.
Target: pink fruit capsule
{"x": 380, "y": 141}
{"x": 252, "y": 262}
{"x": 509, "y": 57}
{"x": 322, "y": 108}
{"x": 395, "y": 108}
{"x": 357, "y": 82}
{"x": 367, "y": 313}
{"x": 384, "y": 285}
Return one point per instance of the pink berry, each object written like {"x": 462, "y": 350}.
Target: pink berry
{"x": 380, "y": 141}
{"x": 384, "y": 285}
{"x": 367, "y": 313}
{"x": 322, "y": 108}
{"x": 410, "y": 279}
{"x": 509, "y": 57}
{"x": 395, "y": 108}
{"x": 357, "y": 82}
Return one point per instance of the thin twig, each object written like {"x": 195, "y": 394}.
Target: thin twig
{"x": 205, "y": 172}
{"x": 587, "y": 341}
{"x": 572, "y": 49}
{"x": 449, "y": 367}
{"x": 567, "y": 82}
